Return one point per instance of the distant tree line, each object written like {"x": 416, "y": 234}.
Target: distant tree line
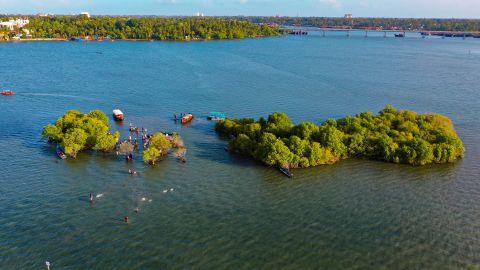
{"x": 470, "y": 25}
{"x": 157, "y": 28}
{"x": 398, "y": 136}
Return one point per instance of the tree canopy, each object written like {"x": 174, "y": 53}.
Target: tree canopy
{"x": 76, "y": 131}
{"x": 417, "y": 24}
{"x": 157, "y": 28}
{"x": 159, "y": 145}
{"x": 398, "y": 136}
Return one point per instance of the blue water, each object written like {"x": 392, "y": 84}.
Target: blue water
{"x": 228, "y": 212}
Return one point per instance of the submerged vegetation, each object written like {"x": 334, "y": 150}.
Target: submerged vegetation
{"x": 157, "y": 28}
{"x": 398, "y": 136}
{"x": 76, "y": 131}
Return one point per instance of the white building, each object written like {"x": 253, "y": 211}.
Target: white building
{"x": 198, "y": 14}
{"x": 348, "y": 16}
{"x": 11, "y": 24}
{"x": 86, "y": 14}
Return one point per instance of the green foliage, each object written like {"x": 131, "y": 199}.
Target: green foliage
{"x": 147, "y": 28}
{"x": 151, "y": 155}
{"x": 160, "y": 145}
{"x": 398, "y": 136}
{"x": 472, "y": 25}
{"x": 76, "y": 131}
{"x": 160, "y": 142}
{"x": 74, "y": 141}
{"x": 106, "y": 142}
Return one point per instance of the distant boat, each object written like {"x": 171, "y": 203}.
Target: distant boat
{"x": 187, "y": 118}
{"x": 400, "y": 35}
{"x": 216, "y": 116}
{"x": 286, "y": 172}
{"x": 60, "y": 153}
{"x": 75, "y": 39}
{"x": 118, "y": 115}
{"x": 7, "y": 93}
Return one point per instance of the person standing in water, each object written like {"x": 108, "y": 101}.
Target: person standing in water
{"x": 91, "y": 197}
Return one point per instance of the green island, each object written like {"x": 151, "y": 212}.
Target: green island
{"x": 75, "y": 132}
{"x": 398, "y": 136}
{"x": 147, "y": 28}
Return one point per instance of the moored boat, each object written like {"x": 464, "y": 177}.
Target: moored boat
{"x": 400, "y": 35}
{"x": 60, "y": 153}
{"x": 187, "y": 118}
{"x": 7, "y": 92}
{"x": 118, "y": 115}
{"x": 216, "y": 116}
{"x": 286, "y": 172}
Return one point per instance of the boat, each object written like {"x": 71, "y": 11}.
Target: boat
{"x": 400, "y": 35}
{"x": 7, "y": 93}
{"x": 216, "y": 116}
{"x": 60, "y": 153}
{"x": 75, "y": 39}
{"x": 286, "y": 172}
{"x": 118, "y": 115}
{"x": 187, "y": 118}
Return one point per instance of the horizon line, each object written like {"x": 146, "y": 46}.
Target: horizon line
{"x": 239, "y": 15}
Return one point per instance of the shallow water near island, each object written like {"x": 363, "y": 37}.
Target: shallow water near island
{"x": 226, "y": 211}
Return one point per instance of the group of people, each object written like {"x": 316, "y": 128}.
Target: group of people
{"x": 175, "y": 117}
{"x": 135, "y": 129}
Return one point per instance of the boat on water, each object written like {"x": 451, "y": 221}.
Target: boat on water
{"x": 7, "y": 92}
{"x": 118, "y": 115}
{"x": 60, "y": 153}
{"x": 187, "y": 118}
{"x": 401, "y": 35}
{"x": 286, "y": 172}
{"x": 216, "y": 116}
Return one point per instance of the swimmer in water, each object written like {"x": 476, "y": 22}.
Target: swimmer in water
{"x": 125, "y": 219}
{"x": 91, "y": 198}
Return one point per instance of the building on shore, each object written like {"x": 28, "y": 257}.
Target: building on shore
{"x": 14, "y": 23}
{"x": 86, "y": 14}
{"x": 198, "y": 14}
{"x": 348, "y": 16}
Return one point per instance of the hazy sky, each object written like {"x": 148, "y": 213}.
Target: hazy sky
{"x": 366, "y": 8}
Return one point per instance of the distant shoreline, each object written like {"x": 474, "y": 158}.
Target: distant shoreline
{"x": 112, "y": 40}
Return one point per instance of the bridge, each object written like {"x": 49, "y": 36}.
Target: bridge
{"x": 397, "y": 33}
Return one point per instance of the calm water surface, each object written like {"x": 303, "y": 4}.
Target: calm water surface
{"x": 227, "y": 212}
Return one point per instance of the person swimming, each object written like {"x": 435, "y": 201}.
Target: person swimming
{"x": 91, "y": 198}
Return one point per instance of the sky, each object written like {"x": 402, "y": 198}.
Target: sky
{"x": 329, "y": 8}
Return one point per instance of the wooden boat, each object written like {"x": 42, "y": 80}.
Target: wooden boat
{"x": 286, "y": 172}
{"x": 118, "y": 115}
{"x": 60, "y": 153}
{"x": 7, "y": 92}
{"x": 216, "y": 116}
{"x": 187, "y": 118}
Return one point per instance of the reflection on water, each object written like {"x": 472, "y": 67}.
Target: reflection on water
{"x": 227, "y": 211}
